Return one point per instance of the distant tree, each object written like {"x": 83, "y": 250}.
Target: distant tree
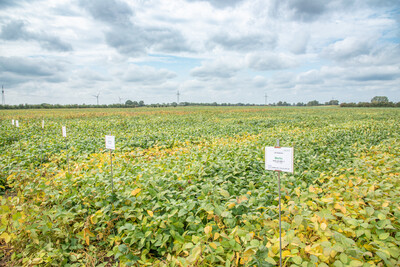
{"x": 300, "y": 104}
{"x": 313, "y": 103}
{"x": 332, "y": 103}
{"x": 141, "y": 103}
{"x": 129, "y": 103}
{"x": 380, "y": 99}
{"x": 283, "y": 104}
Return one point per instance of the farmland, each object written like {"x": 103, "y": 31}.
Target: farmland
{"x": 190, "y": 188}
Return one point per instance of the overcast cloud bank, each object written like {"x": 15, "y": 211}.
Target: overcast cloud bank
{"x": 211, "y": 51}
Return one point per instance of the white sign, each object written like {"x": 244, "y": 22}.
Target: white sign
{"x": 42, "y": 124}
{"x": 279, "y": 159}
{"x": 12, "y": 122}
{"x": 110, "y": 142}
{"x": 64, "y": 131}
{"x": 16, "y": 123}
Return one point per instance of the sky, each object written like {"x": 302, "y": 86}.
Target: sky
{"x": 237, "y": 51}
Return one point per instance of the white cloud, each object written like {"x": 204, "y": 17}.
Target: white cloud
{"x": 349, "y": 48}
{"x": 146, "y": 75}
{"x": 271, "y": 61}
{"x": 221, "y": 68}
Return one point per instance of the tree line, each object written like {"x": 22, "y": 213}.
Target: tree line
{"x": 377, "y": 101}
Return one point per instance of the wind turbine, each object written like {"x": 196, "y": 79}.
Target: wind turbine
{"x": 97, "y": 97}
{"x": 3, "y": 100}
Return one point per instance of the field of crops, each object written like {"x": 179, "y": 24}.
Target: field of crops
{"x": 190, "y": 188}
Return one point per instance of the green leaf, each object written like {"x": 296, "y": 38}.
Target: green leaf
{"x": 270, "y": 260}
{"x": 343, "y": 257}
{"x": 338, "y": 264}
{"x": 298, "y": 219}
{"x": 194, "y": 254}
{"x": 384, "y": 236}
{"x": 356, "y": 263}
{"x": 297, "y": 259}
{"x": 224, "y": 193}
{"x": 370, "y": 211}
{"x": 122, "y": 248}
{"x": 255, "y": 243}
{"x": 381, "y": 255}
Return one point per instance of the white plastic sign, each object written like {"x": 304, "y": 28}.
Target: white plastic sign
{"x": 42, "y": 124}
{"x": 279, "y": 159}
{"x": 110, "y": 142}
{"x": 16, "y": 123}
{"x": 64, "y": 131}
{"x": 12, "y": 122}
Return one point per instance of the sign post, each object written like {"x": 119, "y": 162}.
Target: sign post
{"x": 279, "y": 159}
{"x": 18, "y": 135}
{"x": 64, "y": 133}
{"x": 41, "y": 148}
{"x": 110, "y": 144}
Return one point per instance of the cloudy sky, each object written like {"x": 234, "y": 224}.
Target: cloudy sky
{"x": 59, "y": 51}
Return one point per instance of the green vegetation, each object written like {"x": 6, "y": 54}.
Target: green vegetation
{"x": 191, "y": 189}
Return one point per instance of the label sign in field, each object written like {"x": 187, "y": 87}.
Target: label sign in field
{"x": 64, "y": 131}
{"x": 279, "y": 159}
{"x": 110, "y": 142}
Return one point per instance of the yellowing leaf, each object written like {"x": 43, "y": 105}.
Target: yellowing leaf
{"x": 207, "y": 229}
{"x": 213, "y": 245}
{"x": 371, "y": 188}
{"x": 248, "y": 253}
{"x": 37, "y": 261}
{"x": 136, "y": 191}
{"x": 381, "y": 216}
{"x": 286, "y": 253}
{"x": 231, "y": 205}
{"x": 6, "y": 237}
{"x": 93, "y": 219}
{"x": 323, "y": 226}
{"x": 237, "y": 239}
{"x": 297, "y": 191}
{"x": 241, "y": 199}
{"x": 87, "y": 234}
{"x": 216, "y": 236}
{"x": 150, "y": 213}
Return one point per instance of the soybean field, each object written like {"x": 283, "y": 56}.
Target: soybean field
{"x": 189, "y": 187}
